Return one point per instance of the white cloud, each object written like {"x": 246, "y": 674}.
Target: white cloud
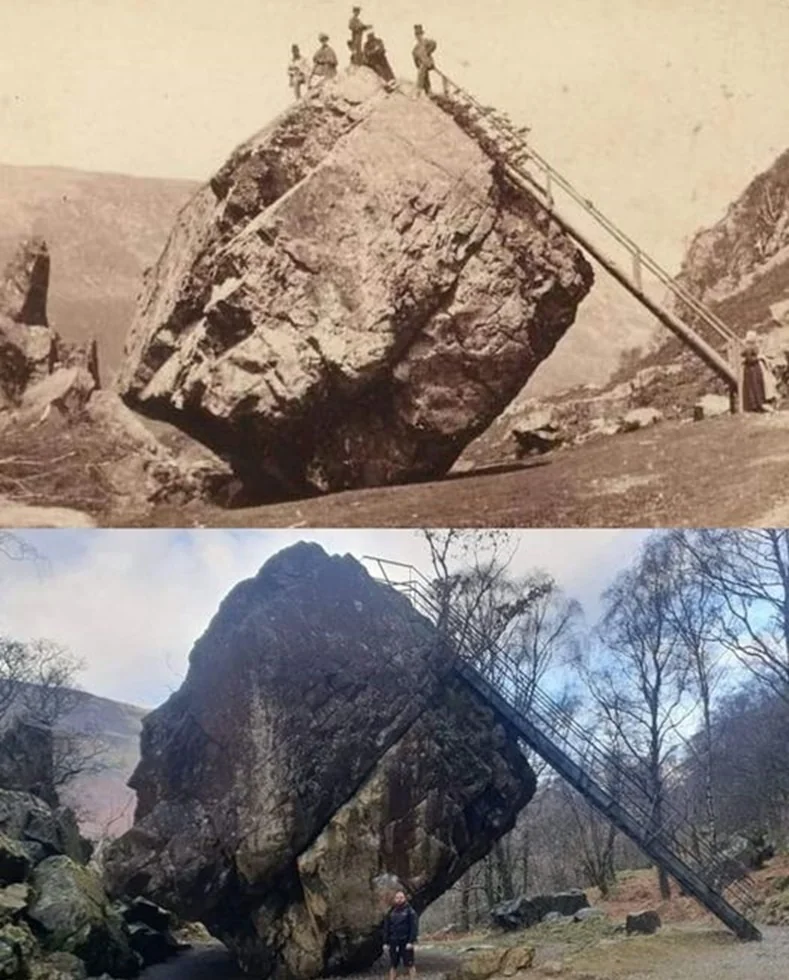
{"x": 132, "y": 603}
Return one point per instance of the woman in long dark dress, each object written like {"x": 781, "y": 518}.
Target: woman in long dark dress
{"x": 374, "y": 54}
{"x": 758, "y": 381}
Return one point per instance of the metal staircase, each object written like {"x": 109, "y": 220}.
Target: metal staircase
{"x": 716, "y": 879}
{"x": 697, "y": 327}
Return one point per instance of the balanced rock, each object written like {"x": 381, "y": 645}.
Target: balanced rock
{"x": 353, "y": 297}
{"x": 319, "y": 747}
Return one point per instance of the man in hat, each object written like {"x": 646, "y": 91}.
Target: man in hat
{"x": 298, "y": 71}
{"x": 357, "y": 29}
{"x": 374, "y": 54}
{"x": 423, "y": 59}
{"x": 324, "y": 61}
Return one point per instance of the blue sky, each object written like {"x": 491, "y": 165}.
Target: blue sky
{"x": 131, "y": 603}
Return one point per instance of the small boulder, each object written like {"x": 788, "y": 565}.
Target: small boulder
{"x": 710, "y": 406}
{"x": 515, "y": 959}
{"x": 14, "y": 861}
{"x": 74, "y": 915}
{"x": 552, "y": 917}
{"x": 646, "y": 923}
{"x": 140, "y": 910}
{"x": 496, "y": 961}
{"x": 17, "y": 949}
{"x": 13, "y": 901}
{"x": 151, "y": 945}
{"x": 58, "y": 966}
{"x": 66, "y": 390}
{"x": 639, "y": 418}
{"x": 583, "y": 915}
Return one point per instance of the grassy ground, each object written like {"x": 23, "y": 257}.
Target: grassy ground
{"x": 725, "y": 471}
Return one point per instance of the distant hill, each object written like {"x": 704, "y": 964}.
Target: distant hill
{"x": 104, "y": 803}
{"x": 103, "y": 230}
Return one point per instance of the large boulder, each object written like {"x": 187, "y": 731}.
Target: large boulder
{"x": 318, "y": 752}
{"x": 73, "y": 914}
{"x": 352, "y": 298}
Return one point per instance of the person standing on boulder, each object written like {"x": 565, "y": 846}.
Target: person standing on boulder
{"x": 324, "y": 61}
{"x": 375, "y": 57}
{"x": 401, "y": 929}
{"x": 298, "y": 71}
{"x": 357, "y": 29}
{"x": 423, "y": 59}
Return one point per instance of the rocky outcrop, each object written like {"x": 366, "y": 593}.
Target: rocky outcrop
{"x": 23, "y": 288}
{"x": 56, "y": 920}
{"x": 30, "y": 352}
{"x": 352, "y": 298}
{"x": 27, "y": 756}
{"x": 317, "y": 754}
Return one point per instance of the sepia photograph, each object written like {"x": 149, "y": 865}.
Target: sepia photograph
{"x": 463, "y": 754}
{"x": 300, "y": 263}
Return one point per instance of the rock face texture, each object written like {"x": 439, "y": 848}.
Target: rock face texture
{"x": 33, "y": 358}
{"x": 352, "y": 298}
{"x": 317, "y": 754}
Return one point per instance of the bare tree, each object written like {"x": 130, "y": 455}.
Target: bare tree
{"x": 488, "y": 612}
{"x": 640, "y": 680}
{"x": 37, "y": 686}
{"x": 748, "y": 571}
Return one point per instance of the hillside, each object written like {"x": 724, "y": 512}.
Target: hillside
{"x": 103, "y": 802}
{"x": 103, "y": 230}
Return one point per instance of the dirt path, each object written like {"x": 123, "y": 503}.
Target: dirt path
{"x": 727, "y": 471}
{"x": 676, "y": 953}
{"x": 683, "y": 954}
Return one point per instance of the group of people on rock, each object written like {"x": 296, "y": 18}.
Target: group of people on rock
{"x": 366, "y": 49}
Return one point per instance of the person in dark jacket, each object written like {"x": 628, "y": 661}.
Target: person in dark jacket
{"x": 401, "y": 929}
{"x": 374, "y": 54}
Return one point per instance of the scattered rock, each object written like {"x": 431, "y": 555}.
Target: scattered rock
{"x": 640, "y": 418}
{"x": 553, "y": 968}
{"x": 13, "y": 514}
{"x": 256, "y": 845}
{"x": 74, "y": 915}
{"x": 17, "y": 948}
{"x": 710, "y": 406}
{"x": 496, "y": 961}
{"x": 521, "y": 913}
{"x": 150, "y": 945}
{"x": 14, "y": 861}
{"x": 58, "y": 966}
{"x": 13, "y": 900}
{"x": 538, "y": 433}
{"x": 26, "y": 749}
{"x": 645, "y": 923}
{"x": 552, "y": 917}
{"x": 165, "y": 464}
{"x": 39, "y": 829}
{"x": 323, "y": 339}
{"x": 66, "y": 391}
{"x": 582, "y": 915}
{"x": 141, "y": 911}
